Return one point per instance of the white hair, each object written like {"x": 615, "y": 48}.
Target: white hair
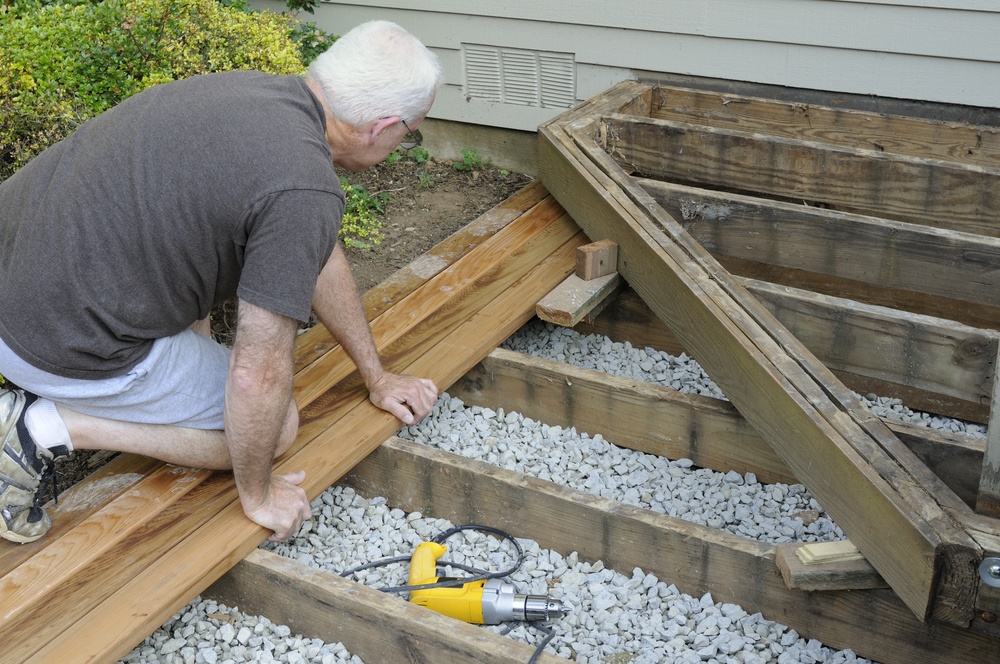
{"x": 377, "y": 70}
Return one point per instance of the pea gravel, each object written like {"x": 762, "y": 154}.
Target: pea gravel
{"x": 619, "y": 616}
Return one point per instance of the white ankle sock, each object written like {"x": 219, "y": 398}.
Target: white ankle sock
{"x": 46, "y": 425}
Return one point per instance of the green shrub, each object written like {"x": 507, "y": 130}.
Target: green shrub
{"x": 63, "y": 63}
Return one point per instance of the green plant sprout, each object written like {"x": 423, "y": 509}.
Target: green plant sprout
{"x": 361, "y": 227}
{"x": 470, "y": 161}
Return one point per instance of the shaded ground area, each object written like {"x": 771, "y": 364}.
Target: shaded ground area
{"x": 426, "y": 203}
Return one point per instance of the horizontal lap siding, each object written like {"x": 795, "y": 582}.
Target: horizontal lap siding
{"x": 926, "y": 50}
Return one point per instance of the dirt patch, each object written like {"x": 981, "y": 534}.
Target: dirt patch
{"x": 425, "y": 203}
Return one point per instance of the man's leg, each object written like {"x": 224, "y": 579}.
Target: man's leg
{"x": 183, "y": 446}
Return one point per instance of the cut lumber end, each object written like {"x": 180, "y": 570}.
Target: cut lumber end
{"x": 826, "y": 566}
{"x": 597, "y": 259}
{"x": 574, "y": 298}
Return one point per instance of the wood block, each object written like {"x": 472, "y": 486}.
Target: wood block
{"x": 574, "y": 298}
{"x": 597, "y": 259}
{"x": 826, "y": 566}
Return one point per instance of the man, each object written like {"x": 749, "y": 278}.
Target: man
{"x": 116, "y": 243}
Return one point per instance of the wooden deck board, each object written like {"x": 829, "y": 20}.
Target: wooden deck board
{"x": 136, "y": 579}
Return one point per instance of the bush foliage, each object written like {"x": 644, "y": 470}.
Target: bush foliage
{"x": 62, "y": 63}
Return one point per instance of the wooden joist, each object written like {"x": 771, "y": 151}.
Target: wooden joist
{"x": 932, "y": 364}
{"x": 854, "y": 466}
{"x": 697, "y": 559}
{"x": 374, "y": 626}
{"x": 951, "y": 141}
{"x": 137, "y": 577}
{"x": 935, "y": 193}
{"x": 662, "y": 421}
{"x": 925, "y": 270}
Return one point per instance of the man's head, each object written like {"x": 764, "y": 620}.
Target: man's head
{"x": 377, "y": 70}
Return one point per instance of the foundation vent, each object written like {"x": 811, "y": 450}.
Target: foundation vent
{"x": 516, "y": 76}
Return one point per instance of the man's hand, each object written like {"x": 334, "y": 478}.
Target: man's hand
{"x": 407, "y": 397}
{"x": 285, "y": 506}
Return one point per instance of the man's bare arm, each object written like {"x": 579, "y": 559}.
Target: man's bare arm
{"x": 339, "y": 308}
{"x": 258, "y": 397}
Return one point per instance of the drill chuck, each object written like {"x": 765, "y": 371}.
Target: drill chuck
{"x": 501, "y": 603}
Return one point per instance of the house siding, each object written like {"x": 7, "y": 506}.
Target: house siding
{"x": 920, "y": 50}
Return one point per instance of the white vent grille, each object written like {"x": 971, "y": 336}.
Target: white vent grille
{"x": 516, "y": 76}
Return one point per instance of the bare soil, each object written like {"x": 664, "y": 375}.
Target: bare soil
{"x": 426, "y": 202}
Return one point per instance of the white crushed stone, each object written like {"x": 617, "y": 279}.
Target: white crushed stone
{"x": 206, "y": 632}
{"x": 618, "y": 616}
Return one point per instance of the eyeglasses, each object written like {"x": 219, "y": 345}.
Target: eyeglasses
{"x": 412, "y": 139}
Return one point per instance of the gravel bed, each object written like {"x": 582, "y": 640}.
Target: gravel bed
{"x": 619, "y": 616}
{"x": 205, "y": 632}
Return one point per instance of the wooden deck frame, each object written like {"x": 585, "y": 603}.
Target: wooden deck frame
{"x": 921, "y": 545}
{"x": 125, "y": 519}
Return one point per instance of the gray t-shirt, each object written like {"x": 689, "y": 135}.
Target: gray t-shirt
{"x": 146, "y": 217}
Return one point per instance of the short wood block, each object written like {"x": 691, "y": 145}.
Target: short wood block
{"x": 575, "y": 298}
{"x": 825, "y": 566}
{"x": 597, "y": 259}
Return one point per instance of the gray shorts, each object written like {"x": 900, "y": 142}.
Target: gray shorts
{"x": 181, "y": 382}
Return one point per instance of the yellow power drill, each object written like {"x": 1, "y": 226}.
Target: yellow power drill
{"x": 483, "y": 602}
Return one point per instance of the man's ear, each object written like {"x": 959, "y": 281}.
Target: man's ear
{"x": 376, "y": 128}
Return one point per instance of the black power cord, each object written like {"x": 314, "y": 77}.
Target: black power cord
{"x": 477, "y": 574}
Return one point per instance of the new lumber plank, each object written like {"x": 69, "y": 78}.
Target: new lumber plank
{"x": 438, "y": 292}
{"x": 215, "y": 539}
{"x": 372, "y": 625}
{"x": 660, "y": 420}
{"x": 697, "y": 559}
{"x": 930, "y": 139}
{"x": 317, "y": 340}
{"x": 103, "y": 486}
{"x": 112, "y": 491}
{"x": 772, "y": 380}
{"x": 24, "y": 587}
{"x": 925, "y": 270}
{"x": 922, "y": 191}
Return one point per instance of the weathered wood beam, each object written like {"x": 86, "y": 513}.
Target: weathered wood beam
{"x": 932, "y": 365}
{"x": 662, "y": 421}
{"x": 930, "y": 139}
{"x": 372, "y": 625}
{"x": 697, "y": 559}
{"x": 923, "y": 191}
{"x": 988, "y": 501}
{"x": 925, "y": 270}
{"x": 851, "y": 462}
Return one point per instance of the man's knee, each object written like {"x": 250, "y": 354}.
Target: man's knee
{"x": 289, "y": 430}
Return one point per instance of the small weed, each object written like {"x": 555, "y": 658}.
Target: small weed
{"x": 420, "y": 155}
{"x": 362, "y": 226}
{"x": 470, "y": 161}
{"x": 394, "y": 157}
{"x": 427, "y": 181}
